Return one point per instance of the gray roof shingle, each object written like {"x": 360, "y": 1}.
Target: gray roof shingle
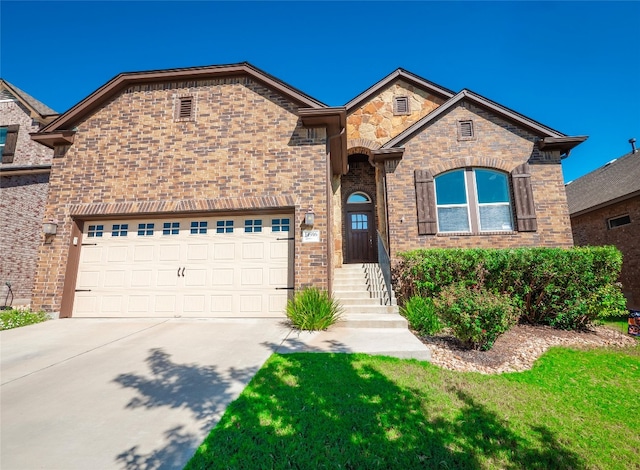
{"x": 39, "y": 106}
{"x": 612, "y": 181}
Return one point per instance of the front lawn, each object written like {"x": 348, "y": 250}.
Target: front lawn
{"x": 574, "y": 409}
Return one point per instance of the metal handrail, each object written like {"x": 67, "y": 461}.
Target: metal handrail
{"x": 385, "y": 266}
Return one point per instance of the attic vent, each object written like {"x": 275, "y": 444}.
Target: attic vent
{"x": 186, "y": 108}
{"x": 5, "y": 95}
{"x": 401, "y": 105}
{"x": 618, "y": 221}
{"x": 465, "y": 130}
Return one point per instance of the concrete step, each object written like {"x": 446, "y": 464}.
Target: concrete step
{"x": 372, "y": 320}
{"x": 349, "y": 278}
{"x": 366, "y": 309}
{"x": 366, "y": 301}
{"x": 352, "y": 294}
{"x": 351, "y": 267}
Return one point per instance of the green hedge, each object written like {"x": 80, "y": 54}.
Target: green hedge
{"x": 565, "y": 288}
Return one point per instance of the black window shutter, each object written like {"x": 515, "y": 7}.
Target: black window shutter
{"x": 523, "y": 195}
{"x": 10, "y": 143}
{"x": 426, "y": 202}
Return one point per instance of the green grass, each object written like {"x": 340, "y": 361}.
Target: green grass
{"x": 574, "y": 409}
{"x": 16, "y": 318}
{"x": 620, "y": 323}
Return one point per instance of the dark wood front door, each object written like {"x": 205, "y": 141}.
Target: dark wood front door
{"x": 361, "y": 235}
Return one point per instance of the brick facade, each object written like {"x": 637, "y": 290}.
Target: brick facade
{"x": 22, "y": 201}
{"x": 245, "y": 149}
{"x": 498, "y": 144}
{"x": 591, "y": 229}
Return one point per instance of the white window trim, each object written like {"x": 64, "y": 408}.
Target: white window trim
{"x": 445, "y": 206}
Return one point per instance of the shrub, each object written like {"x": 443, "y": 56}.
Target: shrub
{"x": 476, "y": 316}
{"x": 313, "y": 309}
{"x": 421, "y": 314}
{"x": 566, "y": 288}
{"x": 16, "y": 318}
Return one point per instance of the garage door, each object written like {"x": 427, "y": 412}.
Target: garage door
{"x": 187, "y": 267}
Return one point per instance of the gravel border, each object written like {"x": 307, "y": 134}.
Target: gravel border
{"x": 518, "y": 349}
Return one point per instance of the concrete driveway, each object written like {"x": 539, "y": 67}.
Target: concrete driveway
{"x": 128, "y": 393}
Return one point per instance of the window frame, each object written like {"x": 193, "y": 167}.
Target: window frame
{"x": 473, "y": 204}
{"x": 618, "y": 218}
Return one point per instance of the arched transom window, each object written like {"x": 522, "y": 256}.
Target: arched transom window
{"x": 473, "y": 200}
{"x": 358, "y": 198}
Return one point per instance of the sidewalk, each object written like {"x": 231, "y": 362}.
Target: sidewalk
{"x": 396, "y": 342}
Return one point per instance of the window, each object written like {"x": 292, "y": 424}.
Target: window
{"x": 3, "y": 138}
{"x": 224, "y": 226}
{"x": 95, "y": 231}
{"x": 359, "y": 222}
{"x": 253, "y": 226}
{"x": 618, "y": 221}
{"x": 473, "y": 200}
{"x": 280, "y": 225}
{"x": 401, "y": 105}
{"x": 8, "y": 140}
{"x": 145, "y": 230}
{"x": 171, "y": 228}
{"x": 119, "y": 230}
{"x": 358, "y": 198}
{"x": 199, "y": 227}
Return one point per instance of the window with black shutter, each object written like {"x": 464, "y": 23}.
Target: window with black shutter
{"x": 8, "y": 141}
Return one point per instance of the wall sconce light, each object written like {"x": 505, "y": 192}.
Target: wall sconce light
{"x": 309, "y": 217}
{"x": 49, "y": 229}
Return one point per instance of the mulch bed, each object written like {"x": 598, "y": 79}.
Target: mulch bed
{"x": 517, "y": 349}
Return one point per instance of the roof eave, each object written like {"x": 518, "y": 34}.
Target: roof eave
{"x": 479, "y": 100}
{"x": 334, "y": 119}
{"x": 51, "y": 139}
{"x": 121, "y": 81}
{"x": 564, "y": 144}
{"x": 604, "y": 204}
{"x": 405, "y": 75}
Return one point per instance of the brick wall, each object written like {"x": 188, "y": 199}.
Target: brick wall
{"x": 591, "y": 229}
{"x": 22, "y": 200}
{"x": 498, "y": 144}
{"x": 245, "y": 149}
{"x": 28, "y": 152}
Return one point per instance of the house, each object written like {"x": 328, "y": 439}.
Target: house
{"x": 217, "y": 191}
{"x": 24, "y": 181}
{"x": 604, "y": 207}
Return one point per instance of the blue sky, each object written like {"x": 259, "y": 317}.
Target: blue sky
{"x": 573, "y": 66}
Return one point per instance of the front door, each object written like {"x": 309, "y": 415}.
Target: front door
{"x": 361, "y": 234}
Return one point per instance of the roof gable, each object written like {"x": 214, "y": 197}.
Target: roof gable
{"x": 35, "y": 106}
{"x": 398, "y": 74}
{"x": 550, "y": 137}
{"x": 114, "y": 86}
{"x": 611, "y": 182}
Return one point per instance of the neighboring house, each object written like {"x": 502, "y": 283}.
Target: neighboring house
{"x": 24, "y": 181}
{"x": 216, "y": 191}
{"x": 605, "y": 210}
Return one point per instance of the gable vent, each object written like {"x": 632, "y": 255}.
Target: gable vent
{"x": 465, "y": 130}
{"x": 185, "y": 110}
{"x": 401, "y": 105}
{"x": 5, "y": 95}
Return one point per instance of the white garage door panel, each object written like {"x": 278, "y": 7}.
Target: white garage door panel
{"x": 170, "y": 271}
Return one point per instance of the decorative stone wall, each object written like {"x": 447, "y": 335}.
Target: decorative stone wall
{"x": 497, "y": 144}
{"x": 245, "y": 144}
{"x": 374, "y": 120}
{"x": 592, "y": 229}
